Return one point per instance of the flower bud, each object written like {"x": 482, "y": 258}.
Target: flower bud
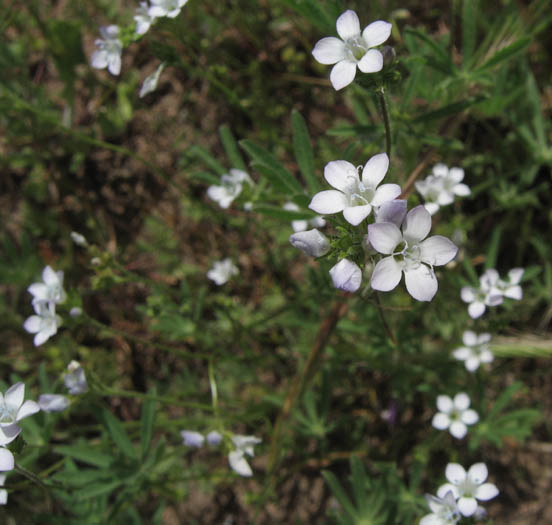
{"x": 53, "y": 402}
{"x": 346, "y": 275}
{"x": 311, "y": 242}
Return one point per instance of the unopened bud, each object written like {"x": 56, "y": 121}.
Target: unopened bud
{"x": 346, "y": 275}
{"x": 311, "y": 242}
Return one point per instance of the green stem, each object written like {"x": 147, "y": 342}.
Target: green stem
{"x": 385, "y": 113}
{"x": 30, "y": 476}
{"x": 213, "y": 385}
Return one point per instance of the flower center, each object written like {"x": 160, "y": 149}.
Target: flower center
{"x": 356, "y": 47}
{"x": 411, "y": 255}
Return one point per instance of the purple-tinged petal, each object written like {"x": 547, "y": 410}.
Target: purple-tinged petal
{"x": 421, "y": 283}
{"x": 27, "y": 409}
{"x": 14, "y": 396}
{"x": 376, "y": 33}
{"x": 8, "y": 434}
{"x": 346, "y": 275}
{"x": 392, "y": 211}
{"x": 342, "y": 74}
{"x": 437, "y": 250}
{"x": 384, "y": 237}
{"x": 387, "y": 275}
{"x": 417, "y": 224}
{"x": 386, "y": 193}
{"x": 329, "y": 50}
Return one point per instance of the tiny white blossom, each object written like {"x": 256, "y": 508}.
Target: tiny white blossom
{"x": 79, "y": 239}
{"x": 468, "y": 487}
{"x": 346, "y": 275}
{"x": 150, "y": 82}
{"x": 454, "y": 415}
{"x": 53, "y": 402}
{"x": 511, "y": 287}
{"x": 311, "y": 242}
{"x": 244, "y": 445}
{"x": 44, "y": 323}
{"x": 143, "y": 19}
{"x": 222, "y": 271}
{"x": 3, "y": 491}
{"x": 214, "y": 438}
{"x": 13, "y": 408}
{"x": 75, "y": 379}
{"x": 355, "y": 196}
{"x": 51, "y": 290}
{"x": 110, "y": 48}
{"x": 302, "y": 225}
{"x": 475, "y": 350}
{"x": 352, "y": 49}
{"x": 410, "y": 254}
{"x": 444, "y": 511}
{"x": 231, "y": 186}
{"x": 169, "y": 8}
{"x": 440, "y": 188}
{"x": 488, "y": 294}
{"x": 7, "y": 461}
{"x": 192, "y": 439}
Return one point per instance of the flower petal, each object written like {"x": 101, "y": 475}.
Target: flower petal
{"x": 356, "y": 214}
{"x": 446, "y": 488}
{"x": 375, "y": 169}
{"x": 476, "y": 309}
{"x": 371, "y": 62}
{"x": 431, "y": 207}
{"x": 14, "y": 396}
{"x": 39, "y": 291}
{"x": 486, "y": 492}
{"x": 468, "y": 294}
{"x": 7, "y": 461}
{"x": 440, "y": 421}
{"x": 416, "y": 225}
{"x": 458, "y": 429}
{"x": 462, "y": 353}
{"x": 469, "y": 338}
{"x": 8, "y": 434}
{"x": 329, "y": 50}
{"x": 421, "y": 282}
{"x": 455, "y": 473}
{"x": 392, "y": 211}
{"x": 472, "y": 363}
{"x": 384, "y": 237}
{"x": 515, "y": 275}
{"x": 469, "y": 417}
{"x": 377, "y": 33}
{"x": 461, "y": 401}
{"x": 437, "y": 250}
{"x": 329, "y": 201}
{"x": 342, "y": 74}
{"x": 27, "y": 409}
{"x": 98, "y": 59}
{"x": 386, "y": 193}
{"x": 387, "y": 274}
{"x": 467, "y": 506}
{"x": 32, "y": 324}
{"x": 239, "y": 464}
{"x": 478, "y": 473}
{"x": 462, "y": 190}
{"x": 444, "y": 404}
{"x": 346, "y": 275}
{"x": 341, "y": 175}
{"x": 50, "y": 277}
{"x": 348, "y": 25}
{"x": 514, "y": 292}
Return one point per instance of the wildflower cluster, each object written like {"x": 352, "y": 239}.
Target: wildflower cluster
{"x": 441, "y": 187}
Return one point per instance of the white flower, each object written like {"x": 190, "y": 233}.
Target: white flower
{"x": 214, "y": 438}
{"x": 150, "y": 82}
{"x": 487, "y": 294}
{"x": 475, "y": 350}
{"x": 79, "y": 239}
{"x": 444, "y": 511}
{"x": 346, "y": 275}
{"x": 192, "y": 438}
{"x": 352, "y": 49}
{"x": 302, "y": 225}
{"x": 7, "y": 461}
{"x": 12, "y": 406}
{"x": 74, "y": 379}
{"x": 511, "y": 287}
{"x": 440, "y": 188}
{"x": 3, "y": 492}
{"x": 222, "y": 271}
{"x": 170, "y": 8}
{"x": 108, "y": 54}
{"x": 311, "y": 242}
{"x": 236, "y": 458}
{"x": 353, "y": 196}
{"x": 454, "y": 415}
{"x": 409, "y": 253}
{"x": 143, "y": 19}
{"x": 231, "y": 186}
{"x": 53, "y": 402}
{"x": 51, "y": 290}
{"x": 44, "y": 324}
{"x": 468, "y": 487}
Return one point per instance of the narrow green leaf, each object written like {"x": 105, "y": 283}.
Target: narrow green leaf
{"x": 439, "y": 54}
{"x": 448, "y": 110}
{"x": 469, "y": 30}
{"x": 494, "y": 246}
{"x": 358, "y": 479}
{"x": 339, "y": 494}
{"x": 468, "y": 266}
{"x": 231, "y": 148}
{"x": 503, "y": 400}
{"x": 505, "y": 53}
{"x": 303, "y": 150}
{"x": 146, "y": 425}
{"x": 98, "y": 489}
{"x": 118, "y": 434}
{"x": 80, "y": 477}
{"x": 206, "y": 157}
{"x": 85, "y": 454}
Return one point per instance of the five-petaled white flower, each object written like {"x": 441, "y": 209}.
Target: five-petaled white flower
{"x": 475, "y": 350}
{"x": 355, "y": 196}
{"x": 244, "y": 445}
{"x": 191, "y": 438}
{"x": 454, "y": 415}
{"x": 143, "y": 19}
{"x": 440, "y": 188}
{"x": 231, "y": 186}
{"x": 222, "y": 271}
{"x": 75, "y": 379}
{"x": 150, "y": 82}
{"x": 352, "y": 49}
{"x": 346, "y": 275}
{"x": 108, "y": 54}
{"x": 51, "y": 290}
{"x": 302, "y": 224}
{"x": 44, "y": 323}
{"x": 468, "y": 487}
{"x": 511, "y": 287}
{"x": 169, "y": 8}
{"x": 487, "y": 294}
{"x": 53, "y": 402}
{"x": 444, "y": 511}
{"x": 408, "y": 252}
